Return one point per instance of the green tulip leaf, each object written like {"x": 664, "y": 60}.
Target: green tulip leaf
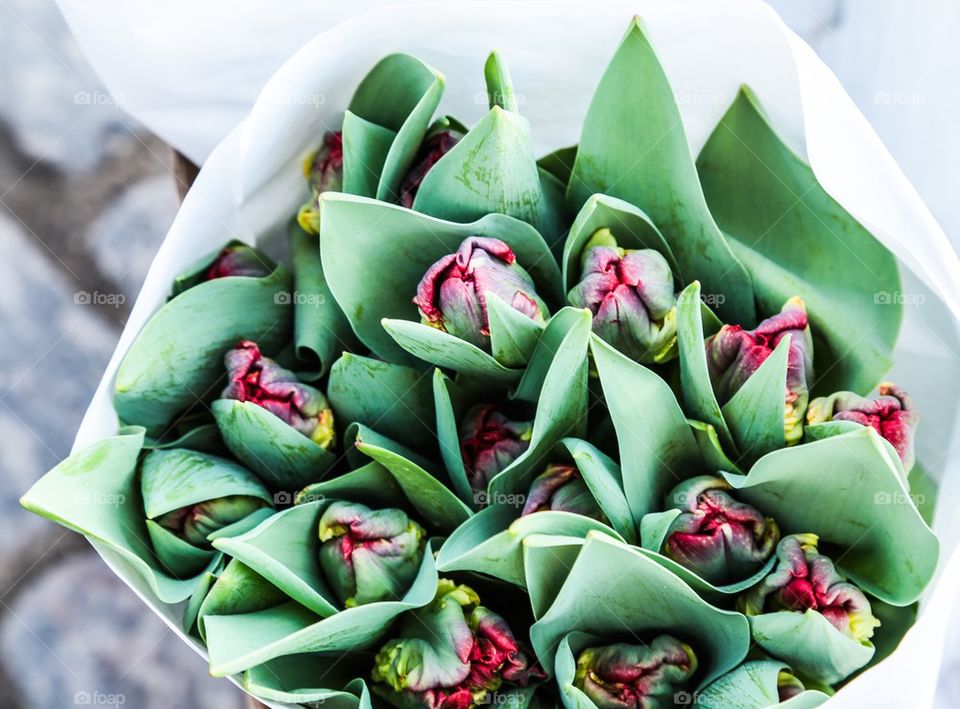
{"x": 562, "y": 406}
{"x": 365, "y": 149}
{"x": 513, "y": 335}
{"x": 285, "y": 551}
{"x": 604, "y": 479}
{"x": 924, "y": 489}
{"x": 433, "y": 501}
{"x": 755, "y": 414}
{"x": 491, "y": 542}
{"x": 711, "y": 452}
{"x": 547, "y": 559}
{"x": 862, "y": 506}
{"x": 320, "y": 329}
{"x": 176, "y": 360}
{"x": 699, "y": 399}
{"x": 448, "y": 435}
{"x": 191, "y": 610}
{"x": 613, "y": 588}
{"x": 500, "y": 91}
{"x": 795, "y": 239}
{"x": 238, "y": 642}
{"x": 204, "y": 438}
{"x": 560, "y": 163}
{"x": 370, "y": 484}
{"x": 557, "y": 333}
{"x": 400, "y": 94}
{"x": 491, "y": 170}
{"x": 236, "y": 589}
{"x": 633, "y": 147}
{"x": 810, "y": 644}
{"x": 445, "y": 350}
{"x": 631, "y": 227}
{"x": 284, "y": 458}
{"x": 657, "y": 448}
{"x": 753, "y": 685}
{"x": 293, "y": 680}
{"x": 96, "y": 492}
{"x": 176, "y": 556}
{"x": 175, "y": 478}
{"x": 395, "y": 400}
{"x": 393, "y": 247}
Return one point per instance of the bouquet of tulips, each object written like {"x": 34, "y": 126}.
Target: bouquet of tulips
{"x": 607, "y": 428}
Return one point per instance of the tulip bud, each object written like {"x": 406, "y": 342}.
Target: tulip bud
{"x": 238, "y": 260}
{"x": 451, "y": 654}
{"x": 715, "y": 536}
{"x": 734, "y": 354}
{"x": 369, "y": 555}
{"x": 194, "y": 523}
{"x": 262, "y": 381}
{"x": 324, "y": 173}
{"x": 630, "y": 293}
{"x": 645, "y": 676}
{"x": 891, "y": 414}
{"x": 432, "y": 149}
{"x": 560, "y": 488}
{"x": 489, "y": 442}
{"x": 452, "y": 295}
{"x": 803, "y": 580}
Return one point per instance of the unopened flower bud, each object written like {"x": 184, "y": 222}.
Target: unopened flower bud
{"x": 452, "y": 295}
{"x": 260, "y": 380}
{"x": 630, "y": 294}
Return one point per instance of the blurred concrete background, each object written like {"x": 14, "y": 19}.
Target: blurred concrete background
{"x": 86, "y": 195}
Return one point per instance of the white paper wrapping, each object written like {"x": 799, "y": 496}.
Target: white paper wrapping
{"x": 251, "y": 185}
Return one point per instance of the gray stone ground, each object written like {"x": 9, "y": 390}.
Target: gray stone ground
{"x": 85, "y": 198}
